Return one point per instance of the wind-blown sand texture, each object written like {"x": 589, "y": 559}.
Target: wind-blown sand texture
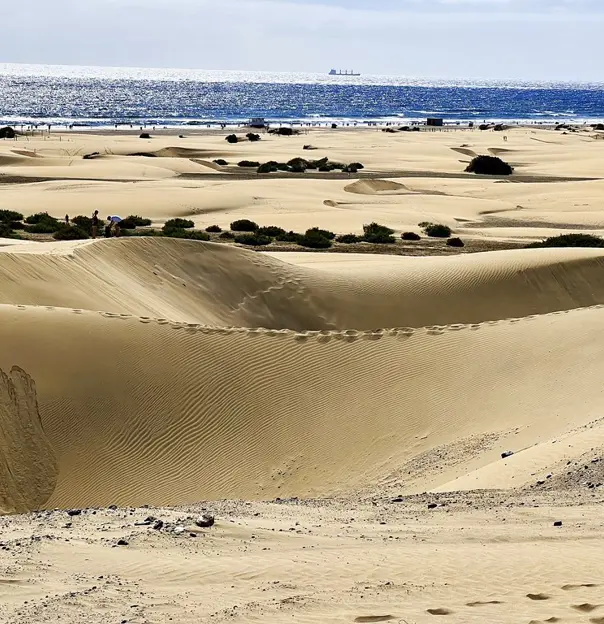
{"x": 369, "y": 398}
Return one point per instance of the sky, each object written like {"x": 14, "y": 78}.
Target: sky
{"x": 497, "y": 39}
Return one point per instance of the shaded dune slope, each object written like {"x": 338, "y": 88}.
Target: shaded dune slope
{"x": 145, "y": 412}
{"x": 168, "y": 394}
{"x": 225, "y": 286}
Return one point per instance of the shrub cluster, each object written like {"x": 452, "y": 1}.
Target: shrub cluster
{"x": 244, "y": 225}
{"x": 70, "y": 232}
{"x": 214, "y": 229}
{"x": 301, "y": 165}
{"x": 410, "y": 236}
{"x": 571, "y": 240}
{"x": 436, "y": 230}
{"x": 253, "y": 239}
{"x": 489, "y": 165}
{"x": 251, "y": 136}
{"x": 232, "y": 138}
{"x": 455, "y": 242}
{"x": 378, "y": 234}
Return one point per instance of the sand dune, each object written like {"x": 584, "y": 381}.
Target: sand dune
{"x": 218, "y": 414}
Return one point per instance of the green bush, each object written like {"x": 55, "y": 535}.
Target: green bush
{"x": 314, "y": 239}
{"x": 436, "y": 230}
{"x": 232, "y": 138}
{"x": 378, "y": 234}
{"x": 455, "y": 242}
{"x": 127, "y": 224}
{"x": 349, "y": 239}
{"x": 188, "y": 234}
{"x": 139, "y": 221}
{"x": 325, "y": 233}
{"x": 289, "y": 237}
{"x": 44, "y": 227}
{"x": 7, "y": 232}
{"x": 570, "y": 240}
{"x": 221, "y": 162}
{"x": 214, "y": 229}
{"x": 144, "y": 232}
{"x": 253, "y": 240}
{"x": 227, "y": 236}
{"x": 489, "y": 165}
{"x": 40, "y": 217}
{"x": 6, "y": 216}
{"x": 84, "y": 223}
{"x": 249, "y": 163}
{"x": 178, "y": 224}
{"x": 244, "y": 225}
{"x": 70, "y": 232}
{"x": 268, "y": 167}
{"x": 356, "y": 165}
{"x": 251, "y": 136}
{"x": 410, "y": 236}
{"x": 271, "y": 230}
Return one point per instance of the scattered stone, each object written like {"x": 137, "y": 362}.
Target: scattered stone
{"x": 158, "y": 525}
{"x": 507, "y": 454}
{"x": 122, "y": 542}
{"x": 432, "y": 506}
{"x": 145, "y": 135}
{"x": 558, "y": 523}
{"x": 398, "y": 499}
{"x": 178, "y": 530}
{"x": 74, "y": 512}
{"x": 205, "y": 521}
{"x": 112, "y": 507}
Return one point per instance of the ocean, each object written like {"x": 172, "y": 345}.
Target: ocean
{"x": 93, "y": 97}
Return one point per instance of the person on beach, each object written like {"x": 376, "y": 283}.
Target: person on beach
{"x": 95, "y": 224}
{"x": 114, "y": 225}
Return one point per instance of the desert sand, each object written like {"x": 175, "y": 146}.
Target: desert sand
{"x": 380, "y": 438}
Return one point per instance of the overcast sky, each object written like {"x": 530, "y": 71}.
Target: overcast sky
{"x": 522, "y": 39}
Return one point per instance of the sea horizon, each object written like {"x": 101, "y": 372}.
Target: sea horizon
{"x": 104, "y": 97}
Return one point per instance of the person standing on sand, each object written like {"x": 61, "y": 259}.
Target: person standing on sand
{"x": 95, "y": 224}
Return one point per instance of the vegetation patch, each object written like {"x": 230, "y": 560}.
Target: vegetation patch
{"x": 253, "y": 240}
{"x": 455, "y": 242}
{"x": 214, "y": 229}
{"x": 410, "y": 236}
{"x": 178, "y": 224}
{"x": 348, "y": 239}
{"x": 489, "y": 165}
{"x": 570, "y": 240}
{"x": 271, "y": 230}
{"x": 315, "y": 238}
{"x": 436, "y": 230}
{"x": 378, "y": 234}
{"x": 244, "y": 225}
{"x": 70, "y": 232}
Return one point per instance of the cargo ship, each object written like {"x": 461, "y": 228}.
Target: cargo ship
{"x": 336, "y": 72}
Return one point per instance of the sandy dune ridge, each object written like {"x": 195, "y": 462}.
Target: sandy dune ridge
{"x": 241, "y": 369}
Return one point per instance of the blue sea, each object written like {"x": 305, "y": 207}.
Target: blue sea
{"x": 104, "y": 97}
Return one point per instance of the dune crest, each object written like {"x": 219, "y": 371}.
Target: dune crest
{"x": 173, "y": 371}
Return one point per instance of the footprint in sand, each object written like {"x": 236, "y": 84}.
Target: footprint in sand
{"x": 374, "y": 618}
{"x": 483, "y": 604}
{"x": 579, "y": 586}
{"x": 439, "y": 611}
{"x": 598, "y": 620}
{"x": 538, "y": 596}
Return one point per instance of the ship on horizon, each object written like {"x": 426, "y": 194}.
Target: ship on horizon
{"x": 336, "y": 72}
